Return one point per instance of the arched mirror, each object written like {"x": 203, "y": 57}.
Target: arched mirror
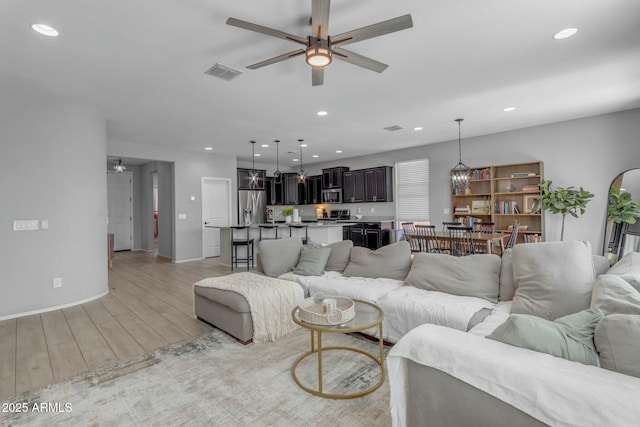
{"x": 621, "y": 236}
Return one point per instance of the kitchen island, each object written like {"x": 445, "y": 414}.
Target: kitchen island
{"x": 318, "y": 232}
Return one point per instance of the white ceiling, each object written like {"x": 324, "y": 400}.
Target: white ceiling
{"x": 142, "y": 63}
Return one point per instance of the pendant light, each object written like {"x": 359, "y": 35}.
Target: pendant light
{"x": 253, "y": 174}
{"x": 301, "y": 174}
{"x": 277, "y": 175}
{"x": 119, "y": 167}
{"x": 461, "y": 173}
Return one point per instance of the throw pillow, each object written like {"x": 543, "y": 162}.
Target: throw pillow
{"x": 279, "y": 256}
{"x": 507, "y": 284}
{"x": 392, "y": 261}
{"x": 614, "y": 295}
{"x": 552, "y": 279}
{"x": 628, "y": 268}
{"x": 617, "y": 339}
{"x": 472, "y": 275}
{"x": 340, "y": 254}
{"x": 569, "y": 337}
{"x": 312, "y": 261}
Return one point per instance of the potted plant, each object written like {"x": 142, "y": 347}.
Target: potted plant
{"x": 287, "y": 212}
{"x": 563, "y": 201}
{"x": 622, "y": 208}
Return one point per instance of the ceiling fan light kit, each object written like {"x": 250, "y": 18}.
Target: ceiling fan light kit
{"x": 320, "y": 47}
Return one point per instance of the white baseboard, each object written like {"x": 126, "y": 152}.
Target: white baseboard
{"x": 187, "y": 260}
{"x": 57, "y": 307}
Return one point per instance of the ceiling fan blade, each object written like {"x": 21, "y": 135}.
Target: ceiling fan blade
{"x": 320, "y": 19}
{"x": 359, "y": 60}
{"x": 278, "y": 58}
{"x": 317, "y": 76}
{"x": 374, "y": 30}
{"x": 266, "y": 30}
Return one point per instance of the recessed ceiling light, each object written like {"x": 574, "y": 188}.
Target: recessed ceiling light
{"x": 45, "y": 30}
{"x": 322, "y": 113}
{"x": 338, "y": 151}
{"x": 208, "y": 148}
{"x": 315, "y": 156}
{"x": 418, "y": 128}
{"x": 265, "y": 145}
{"x": 257, "y": 155}
{"x": 507, "y": 109}
{"x": 563, "y": 34}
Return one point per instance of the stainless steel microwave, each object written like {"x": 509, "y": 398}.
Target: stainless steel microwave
{"x": 333, "y": 195}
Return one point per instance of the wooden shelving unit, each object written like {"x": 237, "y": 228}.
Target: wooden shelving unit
{"x": 503, "y": 194}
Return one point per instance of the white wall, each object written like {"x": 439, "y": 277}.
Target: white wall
{"x": 51, "y": 167}
{"x": 188, "y": 169}
{"x": 587, "y": 152}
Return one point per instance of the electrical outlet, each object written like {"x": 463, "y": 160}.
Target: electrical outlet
{"x": 57, "y": 282}
{"x": 359, "y": 210}
{"x": 373, "y": 210}
{"x": 447, "y": 211}
{"x": 44, "y": 224}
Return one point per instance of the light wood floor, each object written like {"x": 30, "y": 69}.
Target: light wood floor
{"x": 149, "y": 305}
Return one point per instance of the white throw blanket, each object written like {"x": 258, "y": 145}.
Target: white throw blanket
{"x": 553, "y": 390}
{"x": 270, "y": 301}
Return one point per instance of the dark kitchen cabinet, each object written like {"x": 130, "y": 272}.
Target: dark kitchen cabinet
{"x": 314, "y": 190}
{"x": 274, "y": 191}
{"x": 244, "y": 182}
{"x": 294, "y": 191}
{"x": 372, "y": 235}
{"x": 353, "y": 186}
{"x": 378, "y": 184}
{"x": 332, "y": 177}
{"x": 355, "y": 234}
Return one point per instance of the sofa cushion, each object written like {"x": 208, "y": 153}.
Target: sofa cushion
{"x": 569, "y": 337}
{"x": 614, "y": 295}
{"x": 392, "y": 261}
{"x": 312, "y": 261}
{"x": 628, "y": 268}
{"x": 552, "y": 279}
{"x": 507, "y": 284}
{"x": 617, "y": 339}
{"x": 473, "y": 275}
{"x": 278, "y": 256}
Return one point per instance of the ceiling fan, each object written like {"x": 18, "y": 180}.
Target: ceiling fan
{"x": 320, "y": 48}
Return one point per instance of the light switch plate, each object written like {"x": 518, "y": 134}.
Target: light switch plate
{"x": 182, "y": 216}
{"x": 25, "y": 225}
{"x": 44, "y": 224}
{"x": 447, "y": 211}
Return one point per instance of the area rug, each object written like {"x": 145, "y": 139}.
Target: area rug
{"x": 215, "y": 381}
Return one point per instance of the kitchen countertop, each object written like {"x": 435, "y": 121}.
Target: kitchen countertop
{"x": 285, "y": 225}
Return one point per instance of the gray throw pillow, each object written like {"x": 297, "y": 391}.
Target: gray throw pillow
{"x": 507, "y": 284}
{"x": 339, "y": 257}
{"x": 279, "y": 256}
{"x": 312, "y": 261}
{"x": 614, "y": 295}
{"x": 472, "y": 275}
{"x": 552, "y": 279}
{"x": 392, "y": 261}
{"x": 569, "y": 337}
{"x": 617, "y": 339}
{"x": 628, "y": 268}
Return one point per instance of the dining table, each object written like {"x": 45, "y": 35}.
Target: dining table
{"x": 482, "y": 239}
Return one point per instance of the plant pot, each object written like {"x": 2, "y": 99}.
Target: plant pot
{"x": 288, "y": 219}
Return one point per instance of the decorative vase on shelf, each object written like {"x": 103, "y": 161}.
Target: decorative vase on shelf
{"x": 296, "y": 215}
{"x": 288, "y": 219}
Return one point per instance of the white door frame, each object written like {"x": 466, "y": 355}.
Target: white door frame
{"x": 131, "y": 224}
{"x": 202, "y": 181}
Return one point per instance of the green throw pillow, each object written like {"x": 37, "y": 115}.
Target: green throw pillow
{"x": 312, "y": 261}
{"x": 569, "y": 337}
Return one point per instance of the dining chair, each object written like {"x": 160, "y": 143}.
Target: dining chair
{"x": 430, "y": 243}
{"x": 447, "y": 224}
{"x": 484, "y": 247}
{"x": 460, "y": 241}
{"x": 513, "y": 238}
{"x": 410, "y": 234}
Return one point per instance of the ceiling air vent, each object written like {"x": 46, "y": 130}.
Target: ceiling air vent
{"x": 393, "y": 128}
{"x": 223, "y": 72}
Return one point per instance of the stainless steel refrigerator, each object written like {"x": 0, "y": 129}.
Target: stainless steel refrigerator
{"x": 251, "y": 206}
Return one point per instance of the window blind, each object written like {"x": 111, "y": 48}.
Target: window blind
{"x": 412, "y": 190}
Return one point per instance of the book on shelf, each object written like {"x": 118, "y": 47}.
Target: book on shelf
{"x": 462, "y": 209}
{"x": 522, "y": 174}
{"x": 484, "y": 173}
{"x": 532, "y": 238}
{"x": 530, "y": 188}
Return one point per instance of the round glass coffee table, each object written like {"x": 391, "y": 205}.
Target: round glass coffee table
{"x": 367, "y": 315}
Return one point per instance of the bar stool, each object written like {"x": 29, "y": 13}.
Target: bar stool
{"x": 236, "y": 242}
{"x": 299, "y": 227}
{"x": 266, "y": 228}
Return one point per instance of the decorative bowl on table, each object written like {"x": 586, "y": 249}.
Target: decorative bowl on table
{"x": 312, "y": 310}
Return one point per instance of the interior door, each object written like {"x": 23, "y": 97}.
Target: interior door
{"x": 120, "y": 214}
{"x": 216, "y": 212}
